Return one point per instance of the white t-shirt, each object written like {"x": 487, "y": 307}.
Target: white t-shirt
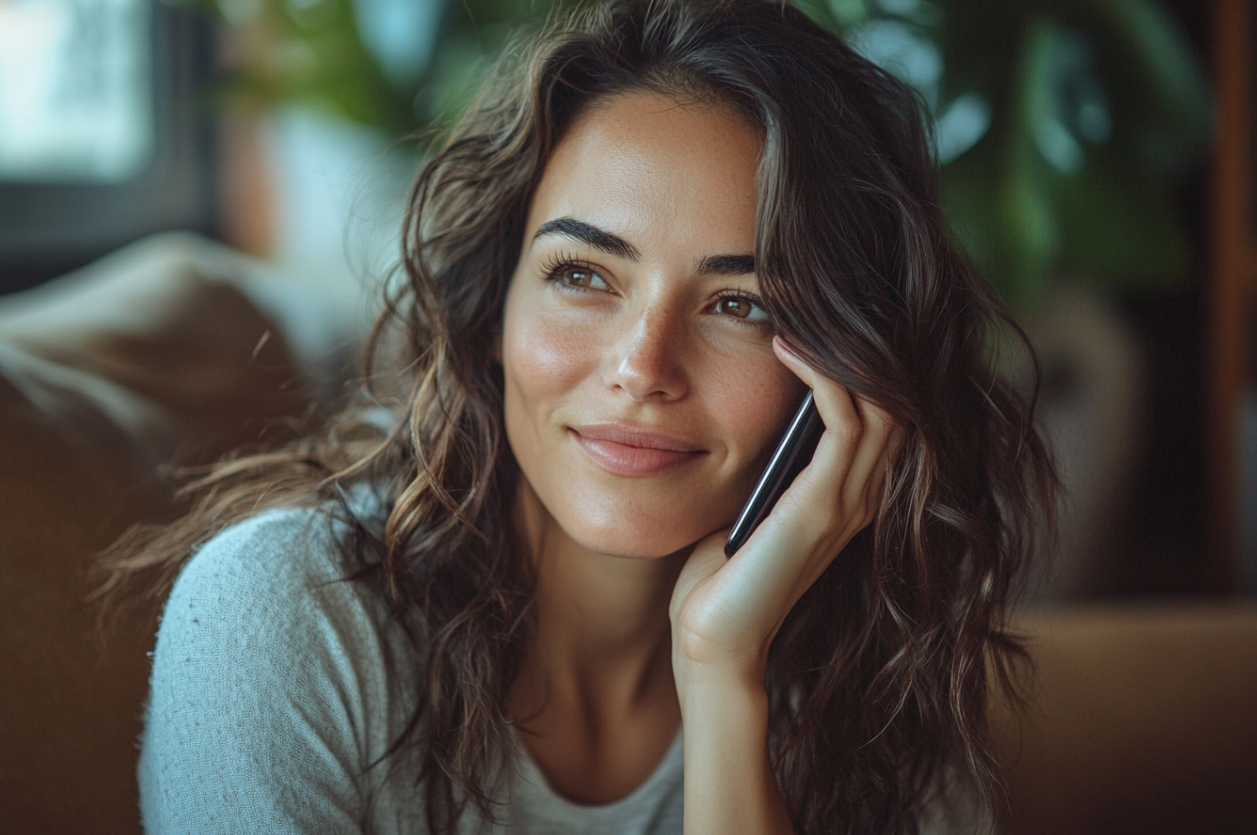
{"x": 270, "y": 702}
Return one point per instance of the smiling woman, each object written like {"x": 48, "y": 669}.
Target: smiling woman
{"x": 660, "y": 225}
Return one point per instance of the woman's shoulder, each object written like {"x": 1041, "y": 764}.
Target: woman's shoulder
{"x": 288, "y": 548}
{"x": 283, "y": 553}
{"x": 280, "y": 581}
{"x": 274, "y": 678}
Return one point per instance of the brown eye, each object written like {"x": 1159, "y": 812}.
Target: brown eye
{"x": 576, "y": 277}
{"x": 740, "y": 307}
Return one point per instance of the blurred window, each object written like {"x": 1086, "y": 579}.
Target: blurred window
{"x": 105, "y": 131}
{"x": 75, "y": 90}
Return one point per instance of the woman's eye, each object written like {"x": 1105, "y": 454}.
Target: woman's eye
{"x": 741, "y": 307}
{"x": 577, "y": 276}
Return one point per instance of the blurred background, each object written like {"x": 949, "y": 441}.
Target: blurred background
{"x": 1096, "y": 160}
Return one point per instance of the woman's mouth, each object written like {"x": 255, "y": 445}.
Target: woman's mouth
{"x": 628, "y": 451}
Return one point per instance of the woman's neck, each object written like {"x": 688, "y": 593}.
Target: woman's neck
{"x": 600, "y": 620}
{"x": 595, "y": 693}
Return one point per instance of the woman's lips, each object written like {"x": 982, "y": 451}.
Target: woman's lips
{"x": 627, "y": 451}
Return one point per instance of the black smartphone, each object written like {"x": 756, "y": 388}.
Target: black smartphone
{"x": 791, "y": 456}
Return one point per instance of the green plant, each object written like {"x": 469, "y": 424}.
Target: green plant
{"x": 1064, "y": 127}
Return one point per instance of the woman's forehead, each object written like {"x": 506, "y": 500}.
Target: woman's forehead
{"x": 644, "y": 165}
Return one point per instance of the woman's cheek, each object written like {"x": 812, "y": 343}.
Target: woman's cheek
{"x": 756, "y": 398}
{"x": 547, "y": 356}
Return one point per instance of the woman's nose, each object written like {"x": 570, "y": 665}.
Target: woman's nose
{"x": 648, "y": 360}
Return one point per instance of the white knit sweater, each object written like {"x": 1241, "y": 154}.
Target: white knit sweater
{"x": 270, "y": 702}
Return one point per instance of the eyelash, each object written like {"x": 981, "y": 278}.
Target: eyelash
{"x": 559, "y": 262}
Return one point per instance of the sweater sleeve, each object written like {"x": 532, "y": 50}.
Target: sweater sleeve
{"x": 269, "y": 697}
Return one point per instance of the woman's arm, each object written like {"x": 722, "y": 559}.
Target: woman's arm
{"x": 725, "y": 613}
{"x": 729, "y": 782}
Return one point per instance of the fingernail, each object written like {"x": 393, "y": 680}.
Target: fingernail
{"x": 785, "y": 346}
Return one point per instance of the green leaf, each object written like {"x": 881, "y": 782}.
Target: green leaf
{"x": 1118, "y": 233}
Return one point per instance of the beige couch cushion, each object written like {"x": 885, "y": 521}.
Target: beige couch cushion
{"x": 1144, "y": 720}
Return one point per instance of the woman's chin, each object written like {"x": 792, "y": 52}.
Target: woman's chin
{"x": 623, "y": 524}
{"x": 644, "y": 542}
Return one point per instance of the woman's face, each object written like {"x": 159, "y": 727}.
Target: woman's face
{"x": 642, "y": 394}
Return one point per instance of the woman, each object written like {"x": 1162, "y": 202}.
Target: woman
{"x": 506, "y": 600}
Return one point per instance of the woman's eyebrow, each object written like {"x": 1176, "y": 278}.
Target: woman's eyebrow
{"x": 613, "y": 244}
{"x": 578, "y": 230}
{"x": 727, "y": 265}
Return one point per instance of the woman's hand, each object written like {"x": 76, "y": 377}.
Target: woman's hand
{"x": 725, "y": 612}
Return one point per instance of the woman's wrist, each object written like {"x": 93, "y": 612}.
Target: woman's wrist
{"x": 722, "y": 651}
{"x": 705, "y": 689}
{"x": 729, "y": 781}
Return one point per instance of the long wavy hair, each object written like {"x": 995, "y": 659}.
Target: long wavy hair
{"x": 878, "y": 681}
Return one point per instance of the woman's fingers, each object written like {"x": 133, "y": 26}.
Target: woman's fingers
{"x": 860, "y": 441}
{"x": 868, "y": 469}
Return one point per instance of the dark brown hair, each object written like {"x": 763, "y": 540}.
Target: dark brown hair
{"x": 878, "y": 681}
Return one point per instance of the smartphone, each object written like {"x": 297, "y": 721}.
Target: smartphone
{"x": 791, "y": 456}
